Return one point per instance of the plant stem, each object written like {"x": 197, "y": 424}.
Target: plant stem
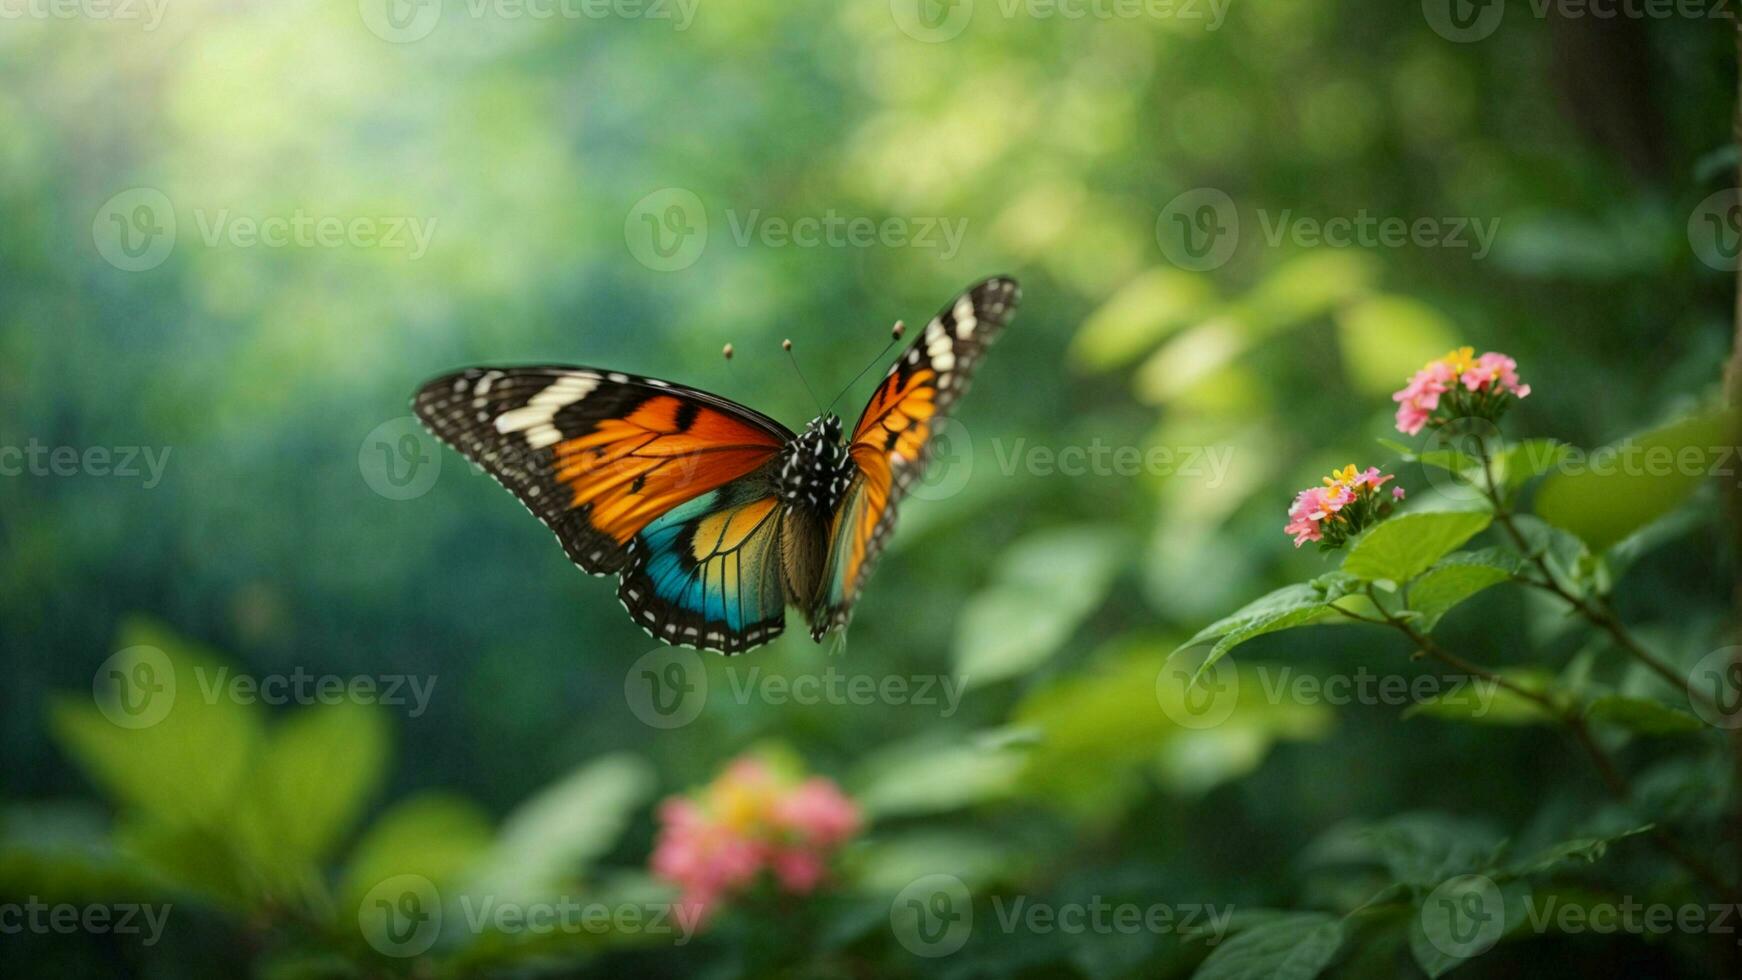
{"x": 1602, "y": 618}
{"x": 1610, "y": 773}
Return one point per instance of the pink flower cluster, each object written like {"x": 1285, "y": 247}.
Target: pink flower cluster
{"x": 1348, "y": 501}
{"x": 717, "y": 842}
{"x": 1470, "y": 386}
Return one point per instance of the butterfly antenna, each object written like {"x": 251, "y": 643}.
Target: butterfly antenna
{"x": 786, "y": 345}
{"x": 895, "y": 333}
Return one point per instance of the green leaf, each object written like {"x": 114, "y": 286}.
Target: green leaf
{"x": 1404, "y": 451}
{"x": 1385, "y": 339}
{"x": 1105, "y": 742}
{"x": 1531, "y": 458}
{"x": 1613, "y": 491}
{"x": 1569, "y": 561}
{"x": 1140, "y": 315}
{"x": 183, "y": 758}
{"x": 433, "y": 835}
{"x": 1642, "y": 716}
{"x": 1304, "y": 288}
{"x": 1404, "y": 546}
{"x": 308, "y": 785}
{"x": 1440, "y": 942}
{"x": 558, "y": 833}
{"x": 1450, "y": 460}
{"x": 1293, "y": 947}
{"x": 1423, "y": 849}
{"x": 1273, "y": 623}
{"x": 1588, "y": 850}
{"x": 1286, "y": 599}
{"x": 924, "y": 775}
{"x": 1457, "y": 577}
{"x": 1051, "y": 581}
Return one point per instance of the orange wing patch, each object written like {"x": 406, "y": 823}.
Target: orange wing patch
{"x": 889, "y": 439}
{"x": 632, "y": 469}
{"x": 726, "y": 530}
{"x": 896, "y": 420}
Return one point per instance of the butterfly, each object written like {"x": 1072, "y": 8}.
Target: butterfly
{"x": 714, "y": 516}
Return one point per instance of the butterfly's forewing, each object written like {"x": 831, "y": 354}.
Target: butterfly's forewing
{"x": 889, "y": 443}
{"x": 601, "y": 456}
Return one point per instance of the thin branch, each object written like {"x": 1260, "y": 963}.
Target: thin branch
{"x": 1569, "y": 716}
{"x": 1602, "y": 618}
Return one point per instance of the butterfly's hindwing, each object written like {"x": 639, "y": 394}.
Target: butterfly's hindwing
{"x": 707, "y": 573}
{"x": 889, "y": 444}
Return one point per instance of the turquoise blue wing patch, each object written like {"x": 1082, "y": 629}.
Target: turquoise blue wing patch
{"x": 707, "y": 573}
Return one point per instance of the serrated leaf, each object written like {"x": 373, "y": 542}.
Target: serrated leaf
{"x": 1288, "y": 598}
{"x": 1291, "y": 947}
{"x": 1304, "y": 616}
{"x": 1404, "y": 546}
{"x": 1586, "y": 849}
{"x": 1455, "y": 578}
{"x": 1642, "y": 716}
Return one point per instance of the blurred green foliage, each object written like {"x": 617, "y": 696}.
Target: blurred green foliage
{"x": 1064, "y": 773}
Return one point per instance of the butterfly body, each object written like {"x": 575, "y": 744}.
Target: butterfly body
{"x": 714, "y": 516}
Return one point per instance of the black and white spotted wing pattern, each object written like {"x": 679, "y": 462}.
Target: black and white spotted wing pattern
{"x": 889, "y": 445}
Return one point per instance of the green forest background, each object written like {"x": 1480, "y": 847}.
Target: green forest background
{"x": 299, "y": 524}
